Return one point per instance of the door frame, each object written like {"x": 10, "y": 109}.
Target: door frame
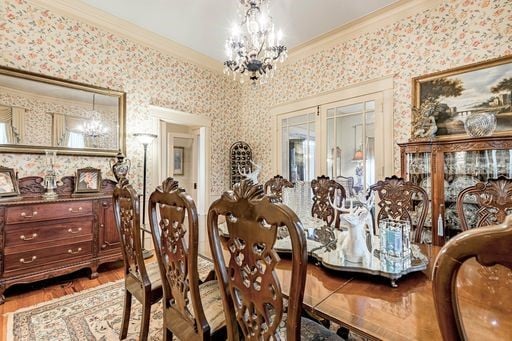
{"x": 161, "y": 115}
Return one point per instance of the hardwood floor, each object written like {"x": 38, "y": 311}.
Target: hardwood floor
{"x": 24, "y": 295}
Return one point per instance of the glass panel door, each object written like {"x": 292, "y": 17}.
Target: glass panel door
{"x": 467, "y": 168}
{"x": 298, "y": 147}
{"x": 351, "y": 143}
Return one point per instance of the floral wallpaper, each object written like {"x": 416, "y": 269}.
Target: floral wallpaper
{"x": 38, "y": 40}
{"x": 456, "y": 32}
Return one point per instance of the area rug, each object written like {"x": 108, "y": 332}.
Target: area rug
{"x": 93, "y": 314}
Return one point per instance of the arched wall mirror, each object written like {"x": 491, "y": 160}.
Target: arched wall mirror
{"x": 38, "y": 113}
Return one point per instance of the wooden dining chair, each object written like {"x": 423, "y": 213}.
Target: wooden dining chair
{"x": 192, "y": 309}
{"x": 492, "y": 198}
{"x": 275, "y": 186}
{"x": 254, "y": 305}
{"x": 325, "y": 191}
{"x": 489, "y": 246}
{"x": 348, "y": 184}
{"x": 140, "y": 280}
{"x": 397, "y": 199}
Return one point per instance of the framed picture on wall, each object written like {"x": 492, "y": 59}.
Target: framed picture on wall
{"x": 88, "y": 180}
{"x": 179, "y": 153}
{"x": 458, "y": 96}
{"x": 8, "y": 183}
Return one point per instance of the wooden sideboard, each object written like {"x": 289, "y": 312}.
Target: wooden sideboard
{"x": 42, "y": 238}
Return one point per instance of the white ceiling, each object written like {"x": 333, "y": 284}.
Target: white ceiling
{"x": 204, "y": 25}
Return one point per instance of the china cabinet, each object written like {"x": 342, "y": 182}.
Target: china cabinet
{"x": 445, "y": 167}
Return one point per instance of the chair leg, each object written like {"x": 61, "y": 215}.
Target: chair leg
{"x": 126, "y": 314}
{"x": 146, "y": 314}
{"x": 167, "y": 334}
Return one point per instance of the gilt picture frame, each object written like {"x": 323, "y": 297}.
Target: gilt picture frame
{"x": 461, "y": 92}
{"x": 88, "y": 180}
{"x": 8, "y": 183}
{"x": 178, "y": 155}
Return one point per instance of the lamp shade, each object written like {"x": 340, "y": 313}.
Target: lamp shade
{"x": 358, "y": 155}
{"x": 145, "y": 138}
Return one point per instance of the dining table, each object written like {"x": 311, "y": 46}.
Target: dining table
{"x": 370, "y": 307}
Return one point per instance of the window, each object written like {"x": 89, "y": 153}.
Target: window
{"x": 76, "y": 140}
{"x": 3, "y": 134}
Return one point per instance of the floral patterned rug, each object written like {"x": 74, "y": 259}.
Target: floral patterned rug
{"x": 94, "y": 314}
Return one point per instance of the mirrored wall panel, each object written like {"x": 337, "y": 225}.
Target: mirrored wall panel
{"x": 39, "y": 113}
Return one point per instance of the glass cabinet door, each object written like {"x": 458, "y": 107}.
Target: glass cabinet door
{"x": 465, "y": 169}
{"x": 418, "y": 171}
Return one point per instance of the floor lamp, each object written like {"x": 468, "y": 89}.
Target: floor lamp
{"x": 145, "y": 140}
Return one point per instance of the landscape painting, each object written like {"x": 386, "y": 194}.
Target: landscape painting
{"x": 462, "y": 92}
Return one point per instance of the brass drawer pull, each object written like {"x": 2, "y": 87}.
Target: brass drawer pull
{"x": 70, "y": 230}
{"x": 24, "y": 214}
{"x": 75, "y": 252}
{"x": 75, "y": 211}
{"x": 22, "y": 260}
{"x": 23, "y": 237}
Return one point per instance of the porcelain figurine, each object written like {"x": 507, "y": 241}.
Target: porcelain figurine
{"x": 251, "y": 175}
{"x": 352, "y": 245}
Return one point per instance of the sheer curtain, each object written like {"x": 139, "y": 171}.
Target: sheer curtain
{"x": 60, "y": 135}
{"x": 18, "y": 123}
{"x": 67, "y": 132}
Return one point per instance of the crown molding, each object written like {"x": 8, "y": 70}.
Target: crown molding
{"x": 94, "y": 16}
{"x": 371, "y": 22}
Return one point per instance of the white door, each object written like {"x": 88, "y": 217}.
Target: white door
{"x": 182, "y": 161}
{"x": 354, "y": 137}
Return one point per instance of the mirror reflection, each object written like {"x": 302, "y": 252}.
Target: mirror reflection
{"x": 34, "y": 113}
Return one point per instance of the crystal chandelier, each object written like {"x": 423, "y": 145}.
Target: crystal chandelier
{"x": 254, "y": 45}
{"x": 93, "y": 127}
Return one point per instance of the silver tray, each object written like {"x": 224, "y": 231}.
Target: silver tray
{"x": 322, "y": 246}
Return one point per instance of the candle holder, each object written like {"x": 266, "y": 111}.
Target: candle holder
{"x": 50, "y": 178}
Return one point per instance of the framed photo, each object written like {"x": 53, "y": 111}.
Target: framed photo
{"x": 8, "y": 183}
{"x": 88, "y": 180}
{"x": 178, "y": 156}
{"x": 458, "y": 93}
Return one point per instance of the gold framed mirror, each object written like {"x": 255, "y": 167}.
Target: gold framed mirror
{"x": 39, "y": 112}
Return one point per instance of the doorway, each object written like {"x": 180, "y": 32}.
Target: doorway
{"x": 182, "y": 158}
{"x": 183, "y": 152}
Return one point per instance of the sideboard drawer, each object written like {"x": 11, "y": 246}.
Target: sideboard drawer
{"x": 32, "y": 234}
{"x": 51, "y": 211}
{"x": 43, "y": 256}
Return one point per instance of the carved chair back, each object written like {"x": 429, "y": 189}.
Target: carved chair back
{"x": 399, "y": 200}
{"x": 276, "y": 184}
{"x": 490, "y": 246}
{"x": 348, "y": 184}
{"x": 173, "y": 218}
{"x": 494, "y": 201}
{"x": 250, "y": 288}
{"x": 325, "y": 190}
{"x": 127, "y": 217}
